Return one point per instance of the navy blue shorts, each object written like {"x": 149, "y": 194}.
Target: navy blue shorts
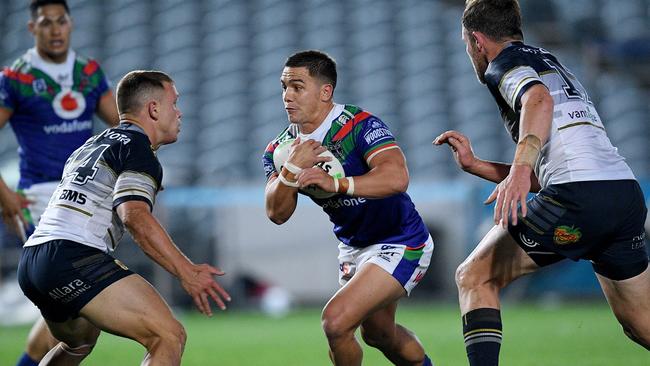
{"x": 62, "y": 276}
{"x": 600, "y": 221}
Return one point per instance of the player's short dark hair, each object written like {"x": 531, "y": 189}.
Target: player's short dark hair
{"x": 497, "y": 19}
{"x": 35, "y": 4}
{"x": 137, "y": 84}
{"x": 319, "y": 64}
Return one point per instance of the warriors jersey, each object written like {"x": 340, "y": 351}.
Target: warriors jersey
{"x": 113, "y": 167}
{"x": 52, "y": 107}
{"x": 354, "y": 137}
{"x": 578, "y": 148}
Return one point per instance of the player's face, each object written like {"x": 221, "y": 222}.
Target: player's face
{"x": 51, "y": 29}
{"x": 479, "y": 61}
{"x": 170, "y": 115}
{"x": 301, "y": 95}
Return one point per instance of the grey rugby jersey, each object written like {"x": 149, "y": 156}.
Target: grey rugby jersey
{"x": 113, "y": 167}
{"x": 578, "y": 148}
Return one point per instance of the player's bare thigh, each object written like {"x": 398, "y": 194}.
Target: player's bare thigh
{"x": 132, "y": 308}
{"x": 629, "y": 299}
{"x": 495, "y": 262}
{"x": 370, "y": 289}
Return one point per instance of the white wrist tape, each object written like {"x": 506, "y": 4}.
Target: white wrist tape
{"x": 287, "y": 182}
{"x": 350, "y": 190}
{"x": 336, "y": 185}
{"x": 292, "y": 168}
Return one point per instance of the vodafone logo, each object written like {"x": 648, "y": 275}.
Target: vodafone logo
{"x": 69, "y": 104}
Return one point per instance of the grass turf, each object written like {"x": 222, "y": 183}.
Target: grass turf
{"x": 578, "y": 334}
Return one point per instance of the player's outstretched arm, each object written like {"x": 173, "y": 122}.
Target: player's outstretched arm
{"x": 461, "y": 148}
{"x": 196, "y": 279}
{"x": 534, "y": 130}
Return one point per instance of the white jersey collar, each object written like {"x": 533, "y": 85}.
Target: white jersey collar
{"x": 61, "y": 73}
{"x": 321, "y": 131}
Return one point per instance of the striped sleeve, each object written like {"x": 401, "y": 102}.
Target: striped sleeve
{"x": 6, "y": 93}
{"x": 374, "y": 138}
{"x": 515, "y": 82}
{"x": 134, "y": 186}
{"x": 139, "y": 174}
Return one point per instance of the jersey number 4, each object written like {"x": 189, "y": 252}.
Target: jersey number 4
{"x": 571, "y": 90}
{"x": 88, "y": 167}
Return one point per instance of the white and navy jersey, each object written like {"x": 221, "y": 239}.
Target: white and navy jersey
{"x": 578, "y": 148}
{"x": 113, "y": 167}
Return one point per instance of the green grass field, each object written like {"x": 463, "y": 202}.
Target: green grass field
{"x": 568, "y": 335}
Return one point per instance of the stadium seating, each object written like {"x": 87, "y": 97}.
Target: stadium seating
{"x": 403, "y": 61}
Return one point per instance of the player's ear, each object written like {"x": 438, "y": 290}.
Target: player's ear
{"x": 30, "y": 25}
{"x": 153, "y": 109}
{"x": 326, "y": 91}
{"x": 479, "y": 40}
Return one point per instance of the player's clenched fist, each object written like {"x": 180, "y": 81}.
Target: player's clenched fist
{"x": 305, "y": 154}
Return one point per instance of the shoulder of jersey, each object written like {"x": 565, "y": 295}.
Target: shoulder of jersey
{"x": 18, "y": 69}
{"x": 89, "y": 65}
{"x": 126, "y": 137}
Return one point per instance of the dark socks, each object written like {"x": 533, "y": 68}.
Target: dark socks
{"x": 25, "y": 360}
{"x": 482, "y": 334}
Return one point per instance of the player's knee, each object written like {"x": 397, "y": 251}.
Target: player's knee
{"x": 175, "y": 335}
{"x": 468, "y": 278}
{"x": 171, "y": 335}
{"x": 334, "y": 324}
{"x": 465, "y": 278}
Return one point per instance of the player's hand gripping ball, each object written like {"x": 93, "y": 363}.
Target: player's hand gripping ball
{"x": 332, "y": 167}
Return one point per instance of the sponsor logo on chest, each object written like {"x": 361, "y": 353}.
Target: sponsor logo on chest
{"x": 69, "y": 104}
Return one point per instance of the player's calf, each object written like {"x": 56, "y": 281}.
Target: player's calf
{"x": 397, "y": 343}
{"x": 40, "y": 341}
{"x": 382, "y": 339}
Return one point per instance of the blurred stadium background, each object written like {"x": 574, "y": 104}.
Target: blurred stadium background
{"x": 402, "y": 60}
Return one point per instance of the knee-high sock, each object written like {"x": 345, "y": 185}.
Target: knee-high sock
{"x": 482, "y": 334}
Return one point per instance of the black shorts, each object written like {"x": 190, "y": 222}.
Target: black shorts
{"x": 600, "y": 221}
{"x": 62, "y": 276}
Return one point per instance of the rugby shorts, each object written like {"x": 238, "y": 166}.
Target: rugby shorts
{"x": 599, "y": 221}
{"x": 406, "y": 264}
{"x": 60, "y": 276}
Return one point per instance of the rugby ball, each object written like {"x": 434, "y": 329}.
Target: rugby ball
{"x": 333, "y": 167}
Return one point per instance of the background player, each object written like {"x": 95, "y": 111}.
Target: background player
{"x": 589, "y": 205}
{"x": 49, "y": 96}
{"x": 110, "y": 183}
{"x": 385, "y": 247}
